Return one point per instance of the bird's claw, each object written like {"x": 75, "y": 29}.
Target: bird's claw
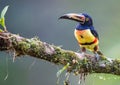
{"x": 97, "y": 57}
{"x": 83, "y": 54}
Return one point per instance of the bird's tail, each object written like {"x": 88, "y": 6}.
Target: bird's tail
{"x": 100, "y": 54}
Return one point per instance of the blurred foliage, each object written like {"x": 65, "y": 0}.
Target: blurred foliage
{"x": 2, "y": 17}
{"x": 32, "y": 18}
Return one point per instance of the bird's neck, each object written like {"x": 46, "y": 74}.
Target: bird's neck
{"x": 84, "y": 27}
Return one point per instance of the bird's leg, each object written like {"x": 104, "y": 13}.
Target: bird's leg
{"x": 97, "y": 55}
{"x": 83, "y": 50}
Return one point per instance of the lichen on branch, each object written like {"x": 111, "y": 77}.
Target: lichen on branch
{"x": 77, "y": 62}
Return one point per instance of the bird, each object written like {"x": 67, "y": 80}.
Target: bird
{"x": 85, "y": 33}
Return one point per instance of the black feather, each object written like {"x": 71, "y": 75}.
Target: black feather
{"x": 94, "y": 32}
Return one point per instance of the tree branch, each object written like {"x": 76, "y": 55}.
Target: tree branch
{"x": 54, "y": 54}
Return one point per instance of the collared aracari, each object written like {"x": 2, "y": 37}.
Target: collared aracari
{"x": 85, "y": 34}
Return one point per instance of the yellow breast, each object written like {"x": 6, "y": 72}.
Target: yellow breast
{"x": 84, "y": 36}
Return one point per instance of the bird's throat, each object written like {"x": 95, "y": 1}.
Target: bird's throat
{"x": 84, "y": 27}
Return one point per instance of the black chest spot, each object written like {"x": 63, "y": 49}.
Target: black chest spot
{"x": 81, "y": 36}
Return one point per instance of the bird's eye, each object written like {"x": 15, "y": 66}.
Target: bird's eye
{"x": 87, "y": 19}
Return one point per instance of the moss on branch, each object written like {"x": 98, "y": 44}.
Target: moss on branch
{"x": 78, "y": 63}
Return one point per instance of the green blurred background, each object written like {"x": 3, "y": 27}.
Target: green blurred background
{"x": 31, "y": 18}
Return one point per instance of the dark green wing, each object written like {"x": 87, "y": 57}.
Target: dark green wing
{"x": 94, "y": 32}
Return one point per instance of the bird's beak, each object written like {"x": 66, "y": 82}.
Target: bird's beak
{"x": 73, "y": 16}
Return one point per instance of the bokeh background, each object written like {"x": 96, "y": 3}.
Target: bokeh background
{"x": 31, "y": 18}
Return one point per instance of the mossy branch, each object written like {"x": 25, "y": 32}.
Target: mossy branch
{"x": 78, "y": 63}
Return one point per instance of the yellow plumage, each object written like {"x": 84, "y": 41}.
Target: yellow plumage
{"x": 85, "y": 36}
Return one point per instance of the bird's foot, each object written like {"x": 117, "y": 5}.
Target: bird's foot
{"x": 83, "y": 54}
{"x": 97, "y": 57}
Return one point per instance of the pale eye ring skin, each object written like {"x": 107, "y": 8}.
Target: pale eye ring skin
{"x": 87, "y": 19}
